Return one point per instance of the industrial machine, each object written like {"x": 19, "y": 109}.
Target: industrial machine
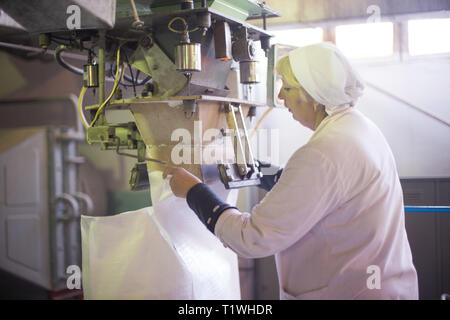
{"x": 176, "y": 53}
{"x": 191, "y": 65}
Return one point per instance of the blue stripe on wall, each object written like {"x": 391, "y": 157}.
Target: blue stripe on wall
{"x": 427, "y": 209}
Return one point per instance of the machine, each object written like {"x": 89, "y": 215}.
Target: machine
{"x": 178, "y": 57}
{"x": 191, "y": 66}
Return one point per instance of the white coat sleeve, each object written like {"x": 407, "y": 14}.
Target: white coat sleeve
{"x": 309, "y": 188}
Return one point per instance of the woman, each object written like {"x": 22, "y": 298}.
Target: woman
{"x": 334, "y": 219}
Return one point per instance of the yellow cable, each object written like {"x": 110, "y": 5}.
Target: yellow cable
{"x": 116, "y": 83}
{"x": 169, "y": 26}
{"x": 256, "y": 127}
{"x": 80, "y": 107}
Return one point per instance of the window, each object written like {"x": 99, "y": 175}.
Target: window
{"x": 369, "y": 40}
{"x": 429, "y": 36}
{"x": 298, "y": 37}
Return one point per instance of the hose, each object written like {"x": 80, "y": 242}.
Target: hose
{"x": 60, "y": 49}
{"x": 80, "y": 107}
{"x": 256, "y": 127}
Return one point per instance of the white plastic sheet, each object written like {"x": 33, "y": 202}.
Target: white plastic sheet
{"x": 128, "y": 256}
{"x": 160, "y": 252}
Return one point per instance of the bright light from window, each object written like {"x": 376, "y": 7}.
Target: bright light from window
{"x": 369, "y": 40}
{"x": 297, "y": 37}
{"x": 428, "y": 36}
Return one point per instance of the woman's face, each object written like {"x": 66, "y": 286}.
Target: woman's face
{"x": 299, "y": 103}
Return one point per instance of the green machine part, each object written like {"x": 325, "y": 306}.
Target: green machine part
{"x": 115, "y": 136}
{"x": 237, "y": 9}
{"x": 123, "y": 136}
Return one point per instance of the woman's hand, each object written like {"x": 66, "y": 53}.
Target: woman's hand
{"x": 181, "y": 182}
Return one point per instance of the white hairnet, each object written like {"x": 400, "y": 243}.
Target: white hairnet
{"x": 327, "y": 76}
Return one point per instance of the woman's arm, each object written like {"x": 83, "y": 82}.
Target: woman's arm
{"x": 307, "y": 190}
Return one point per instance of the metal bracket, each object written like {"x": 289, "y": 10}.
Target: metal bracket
{"x": 244, "y": 172}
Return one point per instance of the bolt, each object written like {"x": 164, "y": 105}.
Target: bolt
{"x": 138, "y": 25}
{"x": 146, "y": 42}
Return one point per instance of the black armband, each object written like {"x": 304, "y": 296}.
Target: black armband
{"x": 206, "y": 205}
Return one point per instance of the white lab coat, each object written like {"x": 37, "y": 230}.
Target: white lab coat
{"x": 336, "y": 211}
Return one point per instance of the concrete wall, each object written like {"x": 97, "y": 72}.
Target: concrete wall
{"x": 420, "y": 143}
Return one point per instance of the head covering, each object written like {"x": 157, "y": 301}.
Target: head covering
{"x": 327, "y": 76}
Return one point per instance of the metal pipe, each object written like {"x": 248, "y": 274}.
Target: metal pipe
{"x": 101, "y": 68}
{"x": 61, "y": 54}
{"x": 101, "y": 76}
{"x": 39, "y": 50}
{"x": 67, "y": 219}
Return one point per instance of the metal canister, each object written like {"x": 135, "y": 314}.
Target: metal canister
{"x": 188, "y": 57}
{"x": 187, "y": 4}
{"x": 249, "y": 71}
{"x": 90, "y": 75}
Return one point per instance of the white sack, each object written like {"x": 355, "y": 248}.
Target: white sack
{"x": 128, "y": 256}
{"x": 160, "y": 252}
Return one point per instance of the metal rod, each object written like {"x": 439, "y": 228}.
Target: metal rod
{"x": 133, "y": 155}
{"x": 101, "y": 68}
{"x": 133, "y": 7}
{"x": 138, "y": 23}
{"x": 101, "y": 75}
{"x": 238, "y": 146}
{"x": 250, "y": 159}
